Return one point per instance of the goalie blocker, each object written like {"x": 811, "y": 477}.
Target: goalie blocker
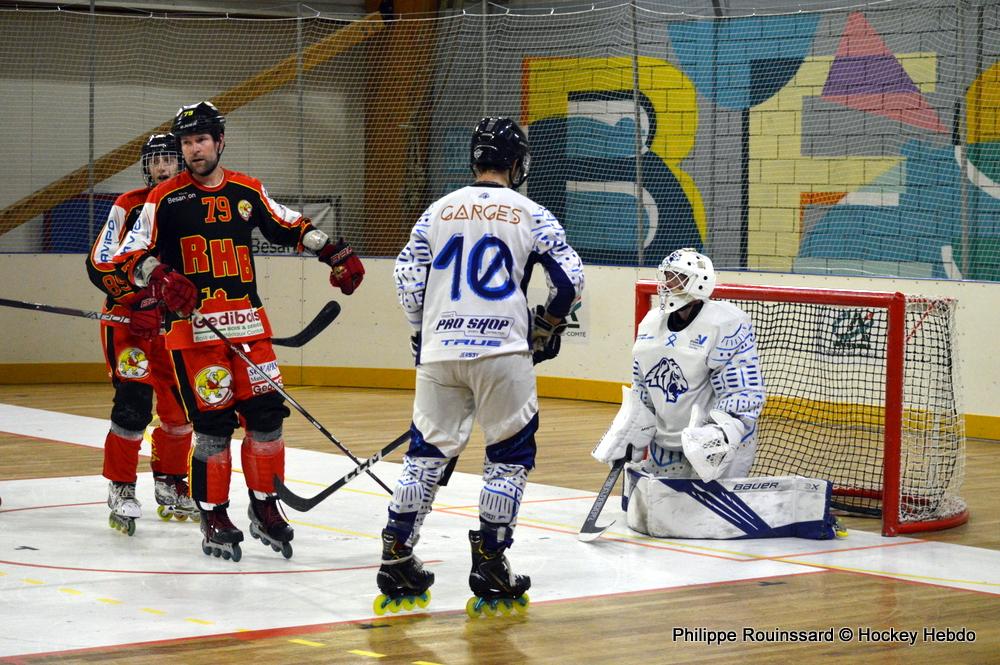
{"x": 730, "y": 508}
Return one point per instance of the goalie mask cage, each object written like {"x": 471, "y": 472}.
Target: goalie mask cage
{"x": 861, "y": 391}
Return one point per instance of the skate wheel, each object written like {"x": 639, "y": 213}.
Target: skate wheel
{"x": 380, "y": 604}
{"x": 180, "y": 517}
{"x": 196, "y": 518}
{"x": 424, "y": 599}
{"x": 216, "y": 553}
{"x": 286, "y": 550}
{"x": 162, "y": 512}
{"x": 408, "y": 603}
{"x": 237, "y": 553}
{"x": 474, "y": 607}
{"x": 130, "y": 529}
{"x": 206, "y": 549}
{"x": 226, "y": 555}
{"x": 275, "y": 548}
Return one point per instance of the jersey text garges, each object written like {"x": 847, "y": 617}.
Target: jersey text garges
{"x": 462, "y": 276}
{"x": 205, "y": 233}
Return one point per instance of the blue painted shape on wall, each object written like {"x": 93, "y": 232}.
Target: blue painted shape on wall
{"x": 929, "y": 216}
{"x": 741, "y": 62}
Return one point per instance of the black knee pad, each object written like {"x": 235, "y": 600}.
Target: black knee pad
{"x": 133, "y": 408}
{"x": 215, "y": 423}
{"x": 264, "y": 413}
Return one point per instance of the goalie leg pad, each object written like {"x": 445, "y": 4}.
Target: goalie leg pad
{"x": 414, "y": 495}
{"x": 733, "y": 508}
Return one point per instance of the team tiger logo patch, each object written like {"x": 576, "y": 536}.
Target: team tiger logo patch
{"x": 245, "y": 209}
{"x": 214, "y": 385}
{"x": 668, "y": 377}
{"x": 133, "y": 364}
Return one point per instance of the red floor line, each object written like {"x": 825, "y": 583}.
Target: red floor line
{"x": 837, "y": 551}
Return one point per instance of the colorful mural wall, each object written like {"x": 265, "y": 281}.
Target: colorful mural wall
{"x": 849, "y": 157}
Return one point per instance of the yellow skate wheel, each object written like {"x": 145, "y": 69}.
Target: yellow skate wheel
{"x": 162, "y": 512}
{"x": 522, "y": 602}
{"x": 472, "y": 607}
{"x": 180, "y": 517}
{"x": 409, "y": 603}
{"x": 379, "y": 606}
{"x": 424, "y": 599}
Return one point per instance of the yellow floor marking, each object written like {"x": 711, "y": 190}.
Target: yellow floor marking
{"x": 110, "y": 601}
{"x": 31, "y": 580}
{"x": 425, "y": 662}
{"x": 307, "y": 643}
{"x": 200, "y": 621}
{"x": 323, "y": 527}
{"x": 72, "y": 592}
{"x": 370, "y": 654}
{"x": 150, "y": 610}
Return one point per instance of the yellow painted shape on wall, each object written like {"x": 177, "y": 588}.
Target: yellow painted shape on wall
{"x": 548, "y": 82}
{"x": 778, "y": 121}
{"x": 983, "y": 103}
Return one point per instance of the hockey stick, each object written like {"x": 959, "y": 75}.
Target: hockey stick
{"x": 590, "y": 531}
{"x": 315, "y": 327}
{"x": 302, "y": 504}
{"x": 198, "y": 317}
{"x": 325, "y": 317}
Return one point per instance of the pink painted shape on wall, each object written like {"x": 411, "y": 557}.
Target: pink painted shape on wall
{"x": 867, "y": 77}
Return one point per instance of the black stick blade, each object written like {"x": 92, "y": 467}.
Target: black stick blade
{"x": 319, "y": 323}
{"x": 590, "y": 530}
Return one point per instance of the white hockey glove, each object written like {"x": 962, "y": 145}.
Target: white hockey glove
{"x": 634, "y": 425}
{"x": 710, "y": 448}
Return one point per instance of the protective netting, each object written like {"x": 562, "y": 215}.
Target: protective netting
{"x": 825, "y": 367}
{"x": 859, "y": 140}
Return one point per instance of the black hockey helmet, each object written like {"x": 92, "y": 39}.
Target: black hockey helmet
{"x": 200, "y": 118}
{"x": 498, "y": 143}
{"x": 159, "y": 144}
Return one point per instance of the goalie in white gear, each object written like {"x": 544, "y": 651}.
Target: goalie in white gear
{"x": 691, "y": 419}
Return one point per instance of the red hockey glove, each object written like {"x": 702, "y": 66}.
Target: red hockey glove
{"x": 144, "y": 321}
{"x": 176, "y": 291}
{"x": 346, "y": 271}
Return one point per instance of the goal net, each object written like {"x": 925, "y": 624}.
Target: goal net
{"x": 862, "y": 390}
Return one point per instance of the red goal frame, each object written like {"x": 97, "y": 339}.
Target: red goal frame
{"x": 895, "y": 306}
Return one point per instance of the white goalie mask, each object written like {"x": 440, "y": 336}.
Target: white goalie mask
{"x": 683, "y": 277}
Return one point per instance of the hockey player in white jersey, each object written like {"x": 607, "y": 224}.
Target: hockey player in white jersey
{"x": 689, "y": 422}
{"x": 461, "y": 280}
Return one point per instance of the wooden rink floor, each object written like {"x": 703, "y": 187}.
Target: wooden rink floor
{"x": 74, "y": 591}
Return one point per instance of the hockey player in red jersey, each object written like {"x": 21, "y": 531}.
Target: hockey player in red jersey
{"x": 139, "y": 363}
{"x": 192, "y": 246}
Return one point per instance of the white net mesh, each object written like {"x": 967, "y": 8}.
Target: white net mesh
{"x": 863, "y": 140}
{"x": 825, "y": 364}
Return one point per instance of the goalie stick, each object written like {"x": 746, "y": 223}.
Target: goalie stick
{"x": 590, "y": 530}
{"x": 319, "y": 323}
{"x": 302, "y": 504}
{"x": 198, "y": 317}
